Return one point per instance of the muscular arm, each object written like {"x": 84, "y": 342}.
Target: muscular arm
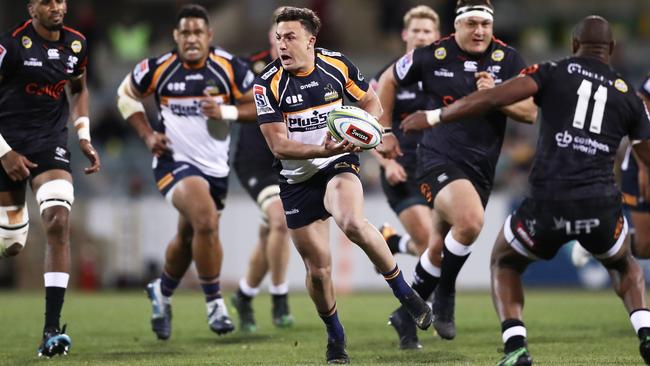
{"x": 523, "y": 111}
{"x": 79, "y": 97}
{"x": 642, "y": 151}
{"x": 246, "y": 108}
{"x": 371, "y": 104}
{"x": 387, "y": 88}
{"x": 283, "y": 148}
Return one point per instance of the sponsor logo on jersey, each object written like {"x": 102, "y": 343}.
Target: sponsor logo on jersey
{"x": 269, "y": 73}
{"x": 33, "y": 62}
{"x": 440, "y": 53}
{"x": 176, "y": 87}
{"x": 346, "y": 165}
{"x": 330, "y": 93}
{"x": 403, "y": 65}
{"x": 3, "y": 53}
{"x": 310, "y": 85}
{"x": 53, "y": 54}
{"x": 26, "y": 42}
{"x": 494, "y": 70}
{"x": 498, "y": 55}
{"x": 405, "y": 95}
{"x": 72, "y": 62}
{"x": 261, "y": 100}
{"x": 620, "y": 85}
{"x": 294, "y": 99}
{"x": 309, "y": 121}
{"x": 443, "y": 73}
{"x": 582, "y": 144}
{"x": 140, "y": 71}
{"x": 53, "y": 91}
{"x": 75, "y": 46}
{"x": 471, "y": 66}
{"x": 194, "y": 77}
{"x": 183, "y": 107}
{"x": 330, "y": 53}
{"x": 575, "y": 68}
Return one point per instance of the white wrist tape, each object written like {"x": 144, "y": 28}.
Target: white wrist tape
{"x": 126, "y": 104}
{"x": 82, "y": 125}
{"x": 4, "y": 147}
{"x": 433, "y": 116}
{"x": 229, "y": 112}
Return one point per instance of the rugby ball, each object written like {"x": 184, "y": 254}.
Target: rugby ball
{"x": 355, "y": 125}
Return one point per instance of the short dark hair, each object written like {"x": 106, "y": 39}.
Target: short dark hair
{"x": 309, "y": 20}
{"x": 192, "y": 11}
{"x": 463, "y": 3}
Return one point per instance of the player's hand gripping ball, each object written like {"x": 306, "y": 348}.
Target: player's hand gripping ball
{"x": 355, "y": 125}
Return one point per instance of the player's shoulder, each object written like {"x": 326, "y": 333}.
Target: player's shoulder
{"x": 269, "y": 72}
{"x": 329, "y": 53}
{"x": 70, "y": 33}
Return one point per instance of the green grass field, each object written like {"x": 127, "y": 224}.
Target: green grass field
{"x": 567, "y": 327}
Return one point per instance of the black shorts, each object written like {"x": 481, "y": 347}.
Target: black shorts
{"x": 402, "y": 195}
{"x": 168, "y": 173}
{"x": 50, "y": 159}
{"x": 259, "y": 180}
{"x": 438, "y": 177}
{"x": 304, "y": 202}
{"x": 539, "y": 228}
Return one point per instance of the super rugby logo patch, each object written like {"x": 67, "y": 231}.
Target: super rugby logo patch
{"x": 140, "y": 71}
{"x": 261, "y": 100}
{"x": 403, "y": 65}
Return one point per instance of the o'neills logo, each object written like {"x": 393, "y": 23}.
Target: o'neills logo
{"x": 53, "y": 91}
{"x": 358, "y": 134}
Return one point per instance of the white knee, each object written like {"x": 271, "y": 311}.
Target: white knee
{"x": 14, "y": 225}
{"x": 58, "y": 192}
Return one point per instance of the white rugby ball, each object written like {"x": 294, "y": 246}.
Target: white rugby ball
{"x": 355, "y": 125}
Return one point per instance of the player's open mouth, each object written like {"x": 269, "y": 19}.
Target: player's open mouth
{"x": 285, "y": 57}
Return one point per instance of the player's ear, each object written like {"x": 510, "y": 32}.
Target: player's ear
{"x": 575, "y": 45}
{"x": 612, "y": 45}
{"x": 404, "y": 33}
{"x": 175, "y": 35}
{"x": 312, "y": 42}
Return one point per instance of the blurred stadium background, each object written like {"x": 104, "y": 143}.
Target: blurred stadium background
{"x": 121, "y": 224}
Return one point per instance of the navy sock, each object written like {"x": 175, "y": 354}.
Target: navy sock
{"x": 53, "y": 304}
{"x": 424, "y": 283}
{"x": 449, "y": 269}
{"x": 515, "y": 341}
{"x": 333, "y": 325}
{"x": 395, "y": 280}
{"x": 211, "y": 289}
{"x": 168, "y": 284}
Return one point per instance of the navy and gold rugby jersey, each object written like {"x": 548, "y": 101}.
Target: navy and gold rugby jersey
{"x": 408, "y": 99}
{"x": 302, "y": 102}
{"x": 629, "y": 165}
{"x": 447, "y": 73}
{"x": 252, "y": 151}
{"x": 179, "y": 90}
{"x": 34, "y": 109}
{"x": 587, "y": 108}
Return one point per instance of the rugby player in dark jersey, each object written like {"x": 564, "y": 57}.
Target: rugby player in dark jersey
{"x": 37, "y": 60}
{"x": 319, "y": 176}
{"x": 398, "y": 176}
{"x": 254, "y": 167}
{"x": 197, "y": 89}
{"x": 586, "y": 108}
{"x": 456, "y": 164}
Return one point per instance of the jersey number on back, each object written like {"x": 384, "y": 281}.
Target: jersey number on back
{"x": 584, "y": 94}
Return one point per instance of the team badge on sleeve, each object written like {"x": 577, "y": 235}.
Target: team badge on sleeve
{"x": 440, "y": 53}
{"x": 261, "y": 100}
{"x": 3, "y": 53}
{"x": 26, "y": 41}
{"x": 140, "y": 71}
{"x": 498, "y": 55}
{"x": 75, "y": 46}
{"x": 403, "y": 65}
{"x": 620, "y": 85}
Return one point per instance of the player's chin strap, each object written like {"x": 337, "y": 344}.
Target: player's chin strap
{"x": 58, "y": 192}
{"x": 480, "y": 11}
{"x": 14, "y": 225}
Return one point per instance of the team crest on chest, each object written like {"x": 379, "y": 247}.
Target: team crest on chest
{"x": 26, "y": 41}
{"x": 330, "y": 93}
{"x": 75, "y": 46}
{"x": 440, "y": 53}
{"x": 498, "y": 55}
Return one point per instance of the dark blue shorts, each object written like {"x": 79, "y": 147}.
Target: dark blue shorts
{"x": 169, "y": 172}
{"x": 304, "y": 202}
{"x": 436, "y": 178}
{"x": 402, "y": 195}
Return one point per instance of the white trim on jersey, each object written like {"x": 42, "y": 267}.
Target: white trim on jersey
{"x": 345, "y": 76}
{"x": 160, "y": 85}
{"x": 286, "y": 85}
{"x": 220, "y": 78}
{"x": 333, "y": 77}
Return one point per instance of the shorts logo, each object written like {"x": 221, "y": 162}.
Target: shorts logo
{"x": 292, "y": 212}
{"x": 140, "y": 71}
{"x": 261, "y": 100}
{"x": 344, "y": 165}
{"x": 75, "y": 46}
{"x": 620, "y": 85}
{"x": 180, "y": 169}
{"x": 330, "y": 93}
{"x": 60, "y": 153}
{"x": 619, "y": 227}
{"x": 403, "y": 65}
{"x": 440, "y": 53}
{"x": 3, "y": 53}
{"x": 269, "y": 73}
{"x": 524, "y": 235}
{"x": 26, "y": 41}
{"x": 498, "y": 55}
{"x": 442, "y": 177}
{"x": 581, "y": 226}
{"x": 425, "y": 190}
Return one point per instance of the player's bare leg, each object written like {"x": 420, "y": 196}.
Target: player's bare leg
{"x": 192, "y": 198}
{"x": 55, "y": 195}
{"x": 344, "y": 201}
{"x": 277, "y": 254}
{"x": 641, "y": 243}
{"x": 506, "y": 267}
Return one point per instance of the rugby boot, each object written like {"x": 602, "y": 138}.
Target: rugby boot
{"x": 218, "y": 318}
{"x": 405, "y": 327}
{"x": 336, "y": 354}
{"x": 161, "y": 311}
{"x": 443, "y": 314}
{"x": 518, "y": 357}
{"x": 644, "y": 349}
{"x": 419, "y": 310}
{"x": 245, "y": 311}
{"x": 55, "y": 342}
{"x": 282, "y": 318}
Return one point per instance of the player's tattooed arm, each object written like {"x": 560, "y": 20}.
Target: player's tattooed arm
{"x": 283, "y": 148}
{"x": 387, "y": 89}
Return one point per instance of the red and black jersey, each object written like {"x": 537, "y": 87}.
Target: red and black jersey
{"x": 34, "y": 109}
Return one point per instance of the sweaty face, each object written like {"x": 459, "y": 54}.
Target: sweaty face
{"x": 193, "y": 37}
{"x": 473, "y": 34}
{"x": 48, "y": 13}
{"x": 295, "y": 46}
{"x": 420, "y": 32}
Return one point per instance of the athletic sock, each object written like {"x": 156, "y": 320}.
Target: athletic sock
{"x": 425, "y": 276}
{"x": 640, "y": 320}
{"x": 395, "y": 280}
{"x": 211, "y": 289}
{"x": 55, "y": 285}
{"x": 245, "y": 291}
{"x": 333, "y": 325}
{"x": 280, "y": 290}
{"x": 454, "y": 256}
{"x": 403, "y": 245}
{"x": 513, "y": 334}
{"x": 168, "y": 284}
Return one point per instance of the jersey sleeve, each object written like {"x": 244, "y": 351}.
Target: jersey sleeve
{"x": 515, "y": 66}
{"x": 142, "y": 75}
{"x": 81, "y": 53}
{"x": 267, "y": 106}
{"x": 8, "y": 55}
{"x": 243, "y": 75}
{"x": 645, "y": 87}
{"x": 640, "y": 129}
{"x": 408, "y": 68}
{"x": 541, "y": 74}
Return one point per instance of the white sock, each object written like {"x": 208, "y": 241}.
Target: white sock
{"x": 429, "y": 267}
{"x": 247, "y": 290}
{"x": 56, "y": 279}
{"x": 517, "y": 330}
{"x": 455, "y": 247}
{"x": 640, "y": 319}
{"x": 403, "y": 245}
{"x": 281, "y": 289}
